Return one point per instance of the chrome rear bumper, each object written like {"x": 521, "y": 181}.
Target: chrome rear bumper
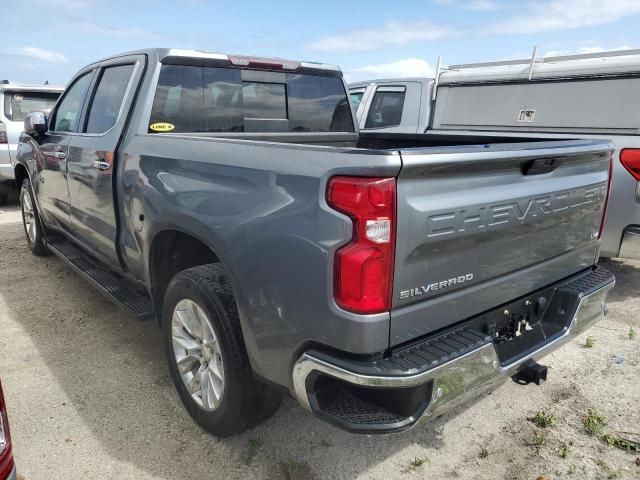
{"x": 630, "y": 245}
{"x": 459, "y": 380}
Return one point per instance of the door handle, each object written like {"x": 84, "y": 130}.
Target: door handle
{"x": 101, "y": 165}
{"x": 60, "y": 155}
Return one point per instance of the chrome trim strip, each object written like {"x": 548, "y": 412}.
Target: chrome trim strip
{"x": 463, "y": 378}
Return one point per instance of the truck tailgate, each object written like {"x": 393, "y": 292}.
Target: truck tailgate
{"x": 480, "y": 226}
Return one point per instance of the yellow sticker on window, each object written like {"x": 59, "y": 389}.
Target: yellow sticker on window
{"x": 162, "y": 127}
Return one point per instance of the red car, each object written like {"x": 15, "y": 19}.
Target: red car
{"x": 7, "y": 467}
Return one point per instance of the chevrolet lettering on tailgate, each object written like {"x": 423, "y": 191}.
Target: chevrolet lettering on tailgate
{"x": 518, "y": 212}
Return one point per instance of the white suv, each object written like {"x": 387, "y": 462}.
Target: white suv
{"x": 16, "y": 101}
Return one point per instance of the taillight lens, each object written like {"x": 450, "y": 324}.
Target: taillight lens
{"x": 363, "y": 269}
{"x": 630, "y": 159}
{"x": 6, "y": 457}
{"x": 3, "y": 133}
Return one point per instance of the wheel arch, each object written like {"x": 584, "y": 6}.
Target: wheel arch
{"x": 173, "y": 250}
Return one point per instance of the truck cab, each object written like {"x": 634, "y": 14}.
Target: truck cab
{"x": 401, "y": 105}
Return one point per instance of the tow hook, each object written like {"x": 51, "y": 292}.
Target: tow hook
{"x": 531, "y": 372}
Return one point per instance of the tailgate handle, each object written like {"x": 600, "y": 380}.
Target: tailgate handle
{"x": 540, "y": 166}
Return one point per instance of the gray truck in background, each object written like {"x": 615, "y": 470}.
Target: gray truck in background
{"x": 16, "y": 102}
{"x": 591, "y": 96}
{"x": 378, "y": 280}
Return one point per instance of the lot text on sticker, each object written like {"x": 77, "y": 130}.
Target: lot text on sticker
{"x": 162, "y": 127}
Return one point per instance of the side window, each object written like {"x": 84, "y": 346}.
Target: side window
{"x": 178, "y": 100}
{"x": 67, "y": 115}
{"x": 107, "y": 101}
{"x": 386, "y": 109}
{"x": 356, "y": 98}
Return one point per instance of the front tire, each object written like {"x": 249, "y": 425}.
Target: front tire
{"x": 31, "y": 221}
{"x": 3, "y": 199}
{"x": 207, "y": 357}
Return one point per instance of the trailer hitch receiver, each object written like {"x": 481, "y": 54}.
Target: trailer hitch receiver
{"x": 531, "y": 372}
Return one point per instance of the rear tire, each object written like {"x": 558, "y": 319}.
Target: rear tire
{"x": 202, "y": 334}
{"x": 31, "y": 221}
{"x": 3, "y": 199}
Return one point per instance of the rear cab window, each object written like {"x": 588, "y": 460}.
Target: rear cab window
{"x": 386, "y": 108}
{"x": 193, "y": 99}
{"x": 18, "y": 104}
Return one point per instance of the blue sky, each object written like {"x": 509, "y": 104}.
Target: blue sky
{"x": 51, "y": 39}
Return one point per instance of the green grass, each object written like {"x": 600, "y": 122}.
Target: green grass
{"x": 590, "y": 342}
{"x": 632, "y": 333}
{"x": 417, "y": 462}
{"x": 621, "y": 443}
{"x": 612, "y": 474}
{"x": 565, "y": 449}
{"x": 543, "y": 419}
{"x": 538, "y": 440}
{"x": 594, "y": 423}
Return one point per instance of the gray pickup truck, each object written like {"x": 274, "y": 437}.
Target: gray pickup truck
{"x": 379, "y": 281}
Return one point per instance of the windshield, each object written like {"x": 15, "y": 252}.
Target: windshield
{"x": 19, "y": 104}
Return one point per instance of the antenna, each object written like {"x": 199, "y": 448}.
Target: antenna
{"x": 533, "y": 61}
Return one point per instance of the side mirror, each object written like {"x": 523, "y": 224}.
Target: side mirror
{"x": 35, "y": 123}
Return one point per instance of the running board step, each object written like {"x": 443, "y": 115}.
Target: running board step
{"x": 112, "y": 286}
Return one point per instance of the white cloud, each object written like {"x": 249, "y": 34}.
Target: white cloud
{"x": 477, "y": 5}
{"x": 392, "y": 34}
{"x": 551, "y": 15}
{"x": 408, "y": 67}
{"x": 36, "y": 53}
{"x": 93, "y": 28}
{"x": 581, "y": 50}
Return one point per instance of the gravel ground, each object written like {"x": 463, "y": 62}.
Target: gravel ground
{"x": 89, "y": 397}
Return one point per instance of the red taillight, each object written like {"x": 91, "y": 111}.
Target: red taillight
{"x": 6, "y": 457}
{"x": 3, "y": 133}
{"x": 363, "y": 269}
{"x": 630, "y": 159}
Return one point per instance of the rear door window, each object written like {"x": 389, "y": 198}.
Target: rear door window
{"x": 108, "y": 97}
{"x": 386, "y": 108}
{"x": 19, "y": 104}
{"x": 217, "y": 99}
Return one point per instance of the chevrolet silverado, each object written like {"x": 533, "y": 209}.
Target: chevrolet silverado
{"x": 380, "y": 281}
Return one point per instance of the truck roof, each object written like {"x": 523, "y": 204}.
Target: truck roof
{"x": 20, "y": 87}
{"x": 162, "y": 54}
{"x": 601, "y": 64}
{"x": 364, "y": 83}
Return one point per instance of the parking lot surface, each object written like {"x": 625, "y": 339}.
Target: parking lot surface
{"x": 89, "y": 397}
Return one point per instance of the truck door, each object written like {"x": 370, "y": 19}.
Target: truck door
{"x": 91, "y": 158}
{"x": 51, "y": 183}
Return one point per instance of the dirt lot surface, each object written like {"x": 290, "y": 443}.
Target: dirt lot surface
{"x": 90, "y": 397}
